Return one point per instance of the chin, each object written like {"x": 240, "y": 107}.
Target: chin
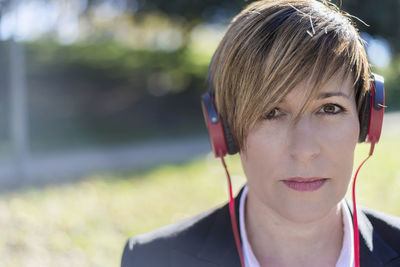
{"x": 306, "y": 210}
{"x": 305, "y": 207}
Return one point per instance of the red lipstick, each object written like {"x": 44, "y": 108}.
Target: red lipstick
{"x": 305, "y": 184}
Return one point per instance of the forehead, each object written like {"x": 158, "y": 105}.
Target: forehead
{"x": 337, "y": 86}
{"x": 339, "y": 83}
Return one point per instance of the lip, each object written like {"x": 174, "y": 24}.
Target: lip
{"x": 305, "y": 184}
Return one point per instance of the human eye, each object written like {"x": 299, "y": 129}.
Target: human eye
{"x": 274, "y": 114}
{"x": 331, "y": 109}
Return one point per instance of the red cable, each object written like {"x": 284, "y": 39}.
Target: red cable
{"x": 355, "y": 222}
{"x": 232, "y": 212}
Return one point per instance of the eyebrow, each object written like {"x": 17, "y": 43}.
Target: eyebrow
{"x": 330, "y": 94}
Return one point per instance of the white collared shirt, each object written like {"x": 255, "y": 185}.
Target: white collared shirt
{"x": 346, "y": 258}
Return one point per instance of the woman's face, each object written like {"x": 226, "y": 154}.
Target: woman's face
{"x": 302, "y": 170}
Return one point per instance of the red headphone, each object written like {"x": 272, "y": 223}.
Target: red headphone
{"x": 371, "y": 119}
{"x": 222, "y": 142}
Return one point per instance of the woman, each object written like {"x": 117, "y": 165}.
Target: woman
{"x": 290, "y": 80}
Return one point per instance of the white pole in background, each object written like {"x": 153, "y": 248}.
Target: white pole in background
{"x": 18, "y": 112}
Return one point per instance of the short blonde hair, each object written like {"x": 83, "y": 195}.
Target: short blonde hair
{"x": 270, "y": 47}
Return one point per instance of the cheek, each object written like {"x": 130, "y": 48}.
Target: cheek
{"x": 341, "y": 138}
{"x": 263, "y": 153}
{"x": 338, "y": 150}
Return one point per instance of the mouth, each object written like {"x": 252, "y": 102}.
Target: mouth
{"x": 305, "y": 184}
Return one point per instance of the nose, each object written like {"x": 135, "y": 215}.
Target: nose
{"x": 304, "y": 143}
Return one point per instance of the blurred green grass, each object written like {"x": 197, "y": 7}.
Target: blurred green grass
{"x": 87, "y": 223}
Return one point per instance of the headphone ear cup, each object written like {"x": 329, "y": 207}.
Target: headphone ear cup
{"x": 377, "y": 109}
{"x": 214, "y": 125}
{"x": 221, "y": 139}
{"x": 372, "y": 111}
{"x": 364, "y": 117}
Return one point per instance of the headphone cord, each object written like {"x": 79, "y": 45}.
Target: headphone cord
{"x": 355, "y": 221}
{"x": 232, "y": 212}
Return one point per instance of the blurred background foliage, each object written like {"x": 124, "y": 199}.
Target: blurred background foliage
{"x": 108, "y": 93}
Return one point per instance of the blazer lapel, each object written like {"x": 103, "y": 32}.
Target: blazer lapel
{"x": 220, "y": 247}
{"x": 217, "y": 250}
{"x": 374, "y": 251}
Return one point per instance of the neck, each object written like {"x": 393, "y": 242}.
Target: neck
{"x": 277, "y": 241}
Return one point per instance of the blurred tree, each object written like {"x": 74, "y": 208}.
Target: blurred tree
{"x": 383, "y": 18}
{"x": 198, "y": 10}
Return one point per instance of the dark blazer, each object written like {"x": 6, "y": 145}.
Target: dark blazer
{"x": 207, "y": 241}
